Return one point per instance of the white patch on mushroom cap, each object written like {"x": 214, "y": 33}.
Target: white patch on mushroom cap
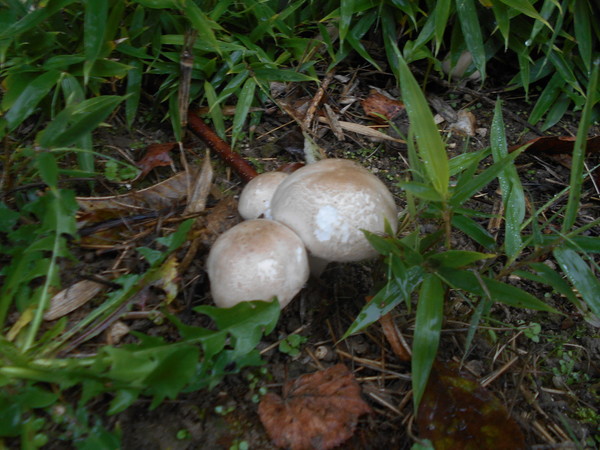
{"x": 255, "y": 199}
{"x": 328, "y": 204}
{"x": 257, "y": 260}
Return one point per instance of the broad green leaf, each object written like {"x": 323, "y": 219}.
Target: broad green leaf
{"x": 428, "y": 326}
{"x": 46, "y": 164}
{"x": 95, "y": 18}
{"x": 430, "y": 145}
{"x": 76, "y": 120}
{"x": 28, "y": 100}
{"x": 510, "y": 184}
{"x": 579, "y": 273}
{"x": 469, "y": 23}
{"x": 243, "y": 105}
{"x": 246, "y": 321}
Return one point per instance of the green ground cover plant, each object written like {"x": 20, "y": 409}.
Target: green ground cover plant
{"x": 69, "y": 68}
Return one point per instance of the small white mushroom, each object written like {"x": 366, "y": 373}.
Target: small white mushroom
{"x": 255, "y": 199}
{"x": 328, "y": 203}
{"x": 257, "y": 260}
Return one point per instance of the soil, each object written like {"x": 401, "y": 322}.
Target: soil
{"x": 549, "y": 381}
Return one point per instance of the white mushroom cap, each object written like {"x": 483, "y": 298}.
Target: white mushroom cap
{"x": 257, "y": 260}
{"x": 328, "y": 203}
{"x": 255, "y": 199}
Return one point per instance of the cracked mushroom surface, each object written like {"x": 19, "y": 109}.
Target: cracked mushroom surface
{"x": 257, "y": 260}
{"x": 328, "y": 203}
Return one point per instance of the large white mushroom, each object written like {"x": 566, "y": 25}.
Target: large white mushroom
{"x": 257, "y": 260}
{"x": 328, "y": 203}
{"x": 255, "y": 199}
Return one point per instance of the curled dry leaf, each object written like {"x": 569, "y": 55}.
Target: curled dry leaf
{"x": 317, "y": 411}
{"x": 156, "y": 155}
{"x": 381, "y": 107}
{"x": 71, "y": 298}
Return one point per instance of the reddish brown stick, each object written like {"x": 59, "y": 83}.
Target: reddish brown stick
{"x": 233, "y": 160}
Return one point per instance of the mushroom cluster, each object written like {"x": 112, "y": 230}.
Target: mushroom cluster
{"x": 320, "y": 210}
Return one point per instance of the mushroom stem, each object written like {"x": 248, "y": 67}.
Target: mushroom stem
{"x": 233, "y": 160}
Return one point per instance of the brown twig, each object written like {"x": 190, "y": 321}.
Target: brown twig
{"x": 218, "y": 145}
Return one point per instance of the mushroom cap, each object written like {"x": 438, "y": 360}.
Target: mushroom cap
{"x": 328, "y": 203}
{"x": 257, "y": 260}
{"x": 255, "y": 199}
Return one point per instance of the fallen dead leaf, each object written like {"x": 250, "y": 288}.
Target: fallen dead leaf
{"x": 456, "y": 413}
{"x": 465, "y": 124}
{"x": 381, "y": 107}
{"x": 156, "y": 155}
{"x": 317, "y": 411}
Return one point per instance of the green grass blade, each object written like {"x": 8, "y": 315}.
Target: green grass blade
{"x": 577, "y": 163}
{"x": 430, "y": 145}
{"x": 547, "y": 98}
{"x": 510, "y": 185}
{"x": 428, "y": 326}
{"x": 469, "y": 23}
{"x": 525, "y": 7}
{"x": 583, "y": 32}
{"x": 580, "y": 275}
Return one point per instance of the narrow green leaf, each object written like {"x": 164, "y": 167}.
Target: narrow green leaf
{"x": 203, "y": 25}
{"x": 34, "y": 17}
{"x": 469, "y": 23}
{"x": 95, "y": 18}
{"x": 582, "y": 17}
{"x": 243, "y": 105}
{"x": 421, "y": 190}
{"x": 134, "y": 90}
{"x": 525, "y": 7}
{"x": 456, "y": 259}
{"x": 430, "y": 145}
{"x": 510, "y": 184}
{"x": 579, "y": 273}
{"x": 546, "y": 98}
{"x": 464, "y": 192}
{"x": 474, "y": 231}
{"x": 272, "y": 74}
{"x": 498, "y": 291}
{"x": 346, "y": 12}
{"x": 428, "y": 326}
{"x": 30, "y": 97}
{"x": 577, "y": 164}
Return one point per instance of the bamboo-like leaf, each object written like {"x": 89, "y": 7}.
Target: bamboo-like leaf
{"x": 525, "y": 7}
{"x": 430, "y": 145}
{"x": 95, "y": 17}
{"x": 30, "y": 97}
{"x": 134, "y": 90}
{"x": 456, "y": 259}
{"x": 580, "y": 275}
{"x": 469, "y": 23}
{"x": 512, "y": 191}
{"x": 76, "y": 120}
{"x": 244, "y": 102}
{"x": 203, "y": 25}
{"x": 474, "y": 231}
{"x": 428, "y": 326}
{"x": 582, "y": 17}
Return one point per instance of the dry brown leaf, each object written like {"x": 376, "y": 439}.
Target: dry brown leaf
{"x": 200, "y": 187}
{"x": 71, "y": 298}
{"x": 317, "y": 411}
{"x": 465, "y": 124}
{"x": 382, "y": 108}
{"x": 156, "y": 155}
{"x": 364, "y": 130}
